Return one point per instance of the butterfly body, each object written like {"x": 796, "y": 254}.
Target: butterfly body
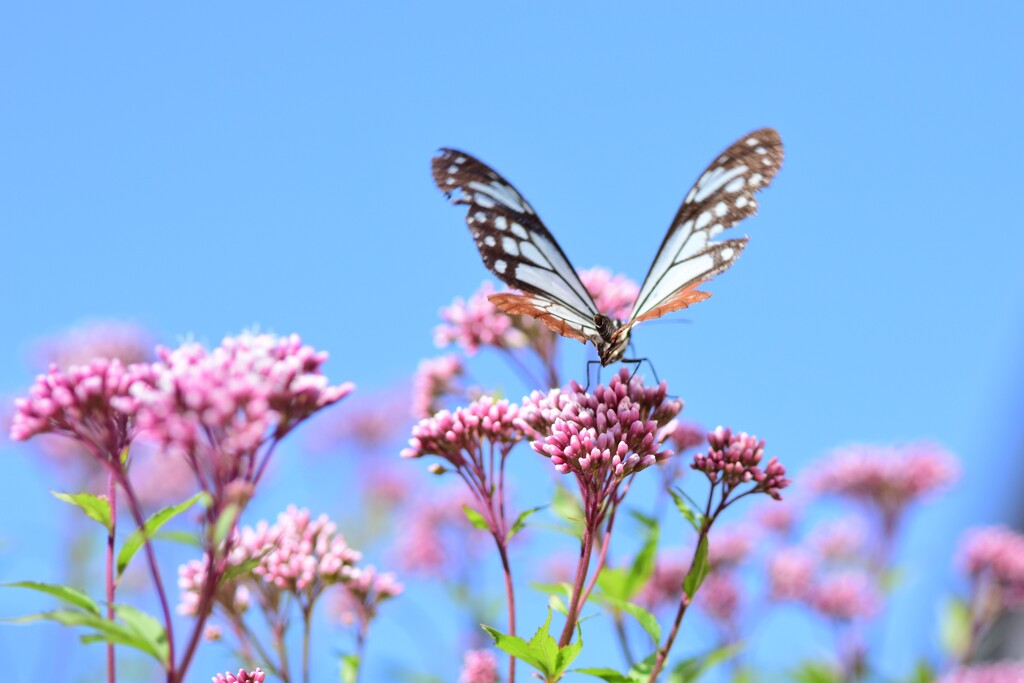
{"x": 516, "y": 246}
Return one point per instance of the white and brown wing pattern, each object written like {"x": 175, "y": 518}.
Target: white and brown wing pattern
{"x": 721, "y": 198}
{"x": 517, "y": 248}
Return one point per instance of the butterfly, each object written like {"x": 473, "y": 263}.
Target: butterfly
{"x": 523, "y": 254}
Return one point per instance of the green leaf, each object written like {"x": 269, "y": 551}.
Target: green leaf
{"x": 244, "y": 568}
{"x": 95, "y": 507}
{"x": 183, "y": 537}
{"x": 65, "y": 593}
{"x": 544, "y": 648}
{"x": 563, "y": 588}
{"x": 605, "y": 674}
{"x": 475, "y": 518}
{"x": 566, "y": 507}
{"x": 104, "y": 631}
{"x": 520, "y": 522}
{"x": 816, "y": 672}
{"x": 643, "y": 564}
{"x": 698, "y": 570}
{"x": 680, "y": 498}
{"x": 349, "y": 668}
{"x": 613, "y": 582}
{"x": 955, "y": 628}
{"x": 922, "y": 673}
{"x": 647, "y": 620}
{"x": 555, "y": 603}
{"x": 149, "y": 630}
{"x": 568, "y": 654}
{"x": 138, "y": 537}
{"x": 512, "y": 645}
{"x": 691, "y": 669}
{"x": 224, "y": 524}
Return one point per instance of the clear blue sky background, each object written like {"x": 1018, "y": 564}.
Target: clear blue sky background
{"x": 203, "y": 168}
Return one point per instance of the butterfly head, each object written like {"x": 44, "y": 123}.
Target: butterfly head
{"x": 613, "y": 339}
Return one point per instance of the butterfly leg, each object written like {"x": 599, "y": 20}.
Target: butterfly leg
{"x": 638, "y": 364}
{"x": 598, "y": 364}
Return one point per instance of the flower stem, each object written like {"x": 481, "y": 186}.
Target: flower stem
{"x": 586, "y": 548}
{"x": 511, "y": 598}
{"x": 111, "y": 537}
{"x": 307, "y": 613}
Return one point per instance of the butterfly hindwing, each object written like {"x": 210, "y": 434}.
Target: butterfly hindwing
{"x": 516, "y": 247}
{"x": 721, "y": 198}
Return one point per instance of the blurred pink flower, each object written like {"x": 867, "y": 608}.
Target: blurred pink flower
{"x": 434, "y": 380}
{"x": 613, "y": 294}
{"x": 719, "y": 596}
{"x": 776, "y": 518}
{"x": 435, "y": 538}
{"x": 158, "y": 478}
{"x": 995, "y": 672}
{"x": 735, "y": 459}
{"x": 791, "y": 574}
{"x": 688, "y": 435}
{"x": 91, "y": 404}
{"x": 846, "y": 596}
{"x": 370, "y": 424}
{"x": 729, "y": 546}
{"x": 233, "y": 598}
{"x": 357, "y": 602}
{"x": 243, "y": 676}
{"x": 109, "y": 339}
{"x": 886, "y": 476}
{"x": 995, "y": 554}
{"x": 840, "y": 539}
{"x": 479, "y": 666}
{"x": 665, "y": 586}
{"x": 477, "y": 322}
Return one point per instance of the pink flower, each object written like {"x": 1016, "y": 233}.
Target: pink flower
{"x": 434, "y": 539}
{"x": 220, "y": 407}
{"x": 776, "y": 518}
{"x": 234, "y": 598}
{"x": 719, "y": 596}
{"x": 110, "y": 339}
{"x": 729, "y": 546}
{"x": 460, "y": 437}
{"x": 840, "y": 539}
{"x": 602, "y": 436}
{"x": 369, "y": 425}
{"x": 243, "y": 676}
{"x": 477, "y": 322}
{"x": 996, "y": 672}
{"x": 687, "y": 435}
{"x": 160, "y": 478}
{"x": 846, "y": 596}
{"x": 479, "y": 666}
{"x": 735, "y": 459}
{"x": 89, "y": 403}
{"x": 665, "y": 587}
{"x": 361, "y": 597}
{"x": 613, "y": 294}
{"x": 790, "y": 574}
{"x": 996, "y": 554}
{"x": 434, "y": 380}
{"x": 887, "y": 477}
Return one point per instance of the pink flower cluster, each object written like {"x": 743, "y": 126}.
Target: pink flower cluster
{"x": 886, "y": 476}
{"x": 846, "y": 595}
{"x": 91, "y": 403}
{"x": 613, "y": 294}
{"x": 996, "y": 672}
{"x": 605, "y": 435}
{"x": 457, "y": 435}
{"x": 218, "y": 408}
{"x": 234, "y": 598}
{"x": 791, "y": 573}
{"x": 735, "y": 459}
{"x": 479, "y": 666}
{"x": 719, "y": 596}
{"x": 477, "y": 322}
{"x": 996, "y": 555}
{"x": 243, "y": 676}
{"x": 434, "y": 379}
{"x": 729, "y": 546}
{"x": 363, "y": 593}
{"x": 434, "y": 538}
{"x": 664, "y": 586}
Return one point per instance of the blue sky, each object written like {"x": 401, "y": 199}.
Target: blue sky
{"x": 203, "y": 169}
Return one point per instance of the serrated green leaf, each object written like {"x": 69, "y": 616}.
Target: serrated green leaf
{"x": 641, "y": 671}
{"x": 105, "y": 631}
{"x": 95, "y": 507}
{"x": 148, "y": 629}
{"x": 520, "y": 522}
{"x": 680, "y": 498}
{"x": 544, "y": 648}
{"x": 242, "y": 569}
{"x": 613, "y": 582}
{"x": 138, "y": 537}
{"x": 689, "y": 670}
{"x": 555, "y": 603}
{"x": 475, "y": 518}
{"x": 349, "y": 668}
{"x": 67, "y": 594}
{"x": 955, "y": 628}
{"x": 647, "y": 620}
{"x": 512, "y": 645}
{"x": 609, "y": 675}
{"x": 698, "y": 570}
{"x": 568, "y": 654}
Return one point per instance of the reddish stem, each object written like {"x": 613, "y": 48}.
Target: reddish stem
{"x": 586, "y": 548}
{"x": 111, "y": 536}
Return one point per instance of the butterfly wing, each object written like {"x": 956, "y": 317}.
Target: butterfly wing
{"x": 721, "y": 198}
{"x": 517, "y": 248}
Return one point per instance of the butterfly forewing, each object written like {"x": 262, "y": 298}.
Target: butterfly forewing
{"x": 721, "y": 198}
{"x": 516, "y": 247}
